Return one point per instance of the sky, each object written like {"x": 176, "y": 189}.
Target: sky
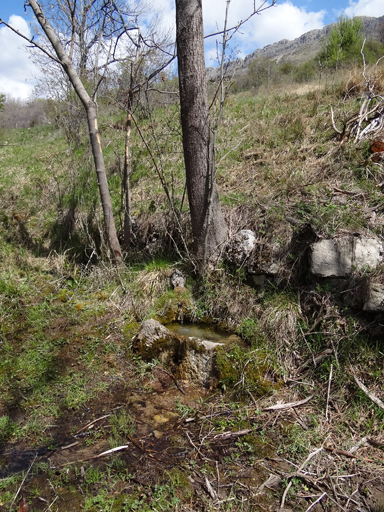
{"x": 288, "y": 19}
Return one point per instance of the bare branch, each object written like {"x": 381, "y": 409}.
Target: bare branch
{"x": 235, "y": 28}
{"x": 31, "y": 41}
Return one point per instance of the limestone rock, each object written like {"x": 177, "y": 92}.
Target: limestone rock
{"x": 198, "y": 360}
{"x": 241, "y": 246}
{"x": 332, "y": 258}
{"x": 177, "y": 279}
{"x": 368, "y": 253}
{"x": 340, "y": 256}
{"x": 195, "y": 358}
{"x": 374, "y": 300}
{"x": 155, "y": 341}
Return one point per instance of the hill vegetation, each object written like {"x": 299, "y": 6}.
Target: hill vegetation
{"x": 71, "y": 386}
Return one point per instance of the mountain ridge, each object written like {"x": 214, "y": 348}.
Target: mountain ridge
{"x": 300, "y": 49}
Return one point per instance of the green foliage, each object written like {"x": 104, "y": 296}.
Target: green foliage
{"x": 7, "y": 428}
{"x": 2, "y": 101}
{"x": 344, "y": 42}
{"x": 262, "y": 72}
{"x": 122, "y": 425}
{"x": 241, "y": 371}
{"x": 249, "y": 329}
{"x": 305, "y": 72}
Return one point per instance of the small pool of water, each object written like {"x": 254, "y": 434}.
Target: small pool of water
{"x": 201, "y": 331}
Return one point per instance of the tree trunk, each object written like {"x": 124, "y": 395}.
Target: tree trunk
{"x": 91, "y": 111}
{"x": 201, "y": 184}
{"x": 127, "y": 175}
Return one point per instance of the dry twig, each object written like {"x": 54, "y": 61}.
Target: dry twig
{"x": 310, "y": 456}
{"x": 373, "y": 397}
{"x": 278, "y": 407}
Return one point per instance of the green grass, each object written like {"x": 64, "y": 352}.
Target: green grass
{"x": 67, "y": 321}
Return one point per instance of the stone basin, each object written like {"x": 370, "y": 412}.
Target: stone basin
{"x": 188, "y": 357}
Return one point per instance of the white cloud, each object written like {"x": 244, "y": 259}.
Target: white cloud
{"x": 283, "y": 21}
{"x": 16, "y": 69}
{"x": 365, "y": 8}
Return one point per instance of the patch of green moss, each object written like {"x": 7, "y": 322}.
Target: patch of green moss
{"x": 174, "y": 304}
{"x": 242, "y": 371}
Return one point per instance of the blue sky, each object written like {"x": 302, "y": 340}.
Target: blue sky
{"x": 287, "y": 20}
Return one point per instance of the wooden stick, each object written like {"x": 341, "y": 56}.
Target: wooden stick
{"x": 227, "y": 435}
{"x": 310, "y": 456}
{"x": 278, "y": 407}
{"x": 22, "y": 483}
{"x": 373, "y": 397}
{"x": 174, "y": 380}
{"x": 89, "y": 425}
{"x": 329, "y": 392}
{"x": 317, "y": 501}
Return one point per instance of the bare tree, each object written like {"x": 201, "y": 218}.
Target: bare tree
{"x": 86, "y": 36}
{"x": 208, "y": 223}
{"x": 77, "y": 18}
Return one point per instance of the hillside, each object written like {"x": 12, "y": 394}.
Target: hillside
{"x": 301, "y": 49}
{"x": 291, "y": 415}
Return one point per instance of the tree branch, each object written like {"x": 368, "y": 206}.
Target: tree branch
{"x": 31, "y": 41}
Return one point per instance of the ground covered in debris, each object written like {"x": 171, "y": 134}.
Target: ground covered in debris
{"x": 292, "y": 418}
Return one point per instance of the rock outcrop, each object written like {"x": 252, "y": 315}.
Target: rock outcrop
{"x": 299, "y": 50}
{"x": 339, "y": 257}
{"x": 190, "y": 358}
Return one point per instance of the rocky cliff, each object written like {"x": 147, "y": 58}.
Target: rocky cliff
{"x": 302, "y": 48}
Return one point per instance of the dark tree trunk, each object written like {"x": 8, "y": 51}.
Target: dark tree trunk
{"x": 201, "y": 185}
{"x": 91, "y": 111}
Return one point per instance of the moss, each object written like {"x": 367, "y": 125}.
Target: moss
{"x": 130, "y": 328}
{"x": 174, "y": 305}
{"x": 242, "y": 371}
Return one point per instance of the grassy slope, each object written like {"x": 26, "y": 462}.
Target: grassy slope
{"x": 65, "y": 347}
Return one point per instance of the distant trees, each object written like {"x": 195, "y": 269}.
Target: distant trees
{"x": 23, "y": 114}
{"x": 79, "y": 41}
{"x": 344, "y": 42}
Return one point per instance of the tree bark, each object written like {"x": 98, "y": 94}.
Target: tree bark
{"x": 91, "y": 111}
{"x": 126, "y": 179}
{"x": 201, "y": 183}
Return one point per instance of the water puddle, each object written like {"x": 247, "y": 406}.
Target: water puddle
{"x": 201, "y": 331}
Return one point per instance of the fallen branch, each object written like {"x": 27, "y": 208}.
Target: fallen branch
{"x": 329, "y": 392}
{"x": 108, "y": 452}
{"x": 290, "y": 405}
{"x": 345, "y": 453}
{"x": 196, "y": 447}
{"x": 317, "y": 501}
{"x": 373, "y": 397}
{"x": 89, "y": 425}
{"x": 70, "y": 445}
{"x": 22, "y": 483}
{"x": 227, "y": 435}
{"x": 310, "y": 456}
{"x": 210, "y": 489}
{"x": 174, "y": 380}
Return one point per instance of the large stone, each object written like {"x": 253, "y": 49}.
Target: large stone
{"x": 195, "y": 359}
{"x": 332, "y": 258}
{"x": 374, "y": 299}
{"x": 368, "y": 253}
{"x": 340, "y": 256}
{"x": 241, "y": 246}
{"x": 177, "y": 279}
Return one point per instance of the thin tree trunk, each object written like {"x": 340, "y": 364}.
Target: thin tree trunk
{"x": 91, "y": 111}
{"x": 201, "y": 185}
{"x": 127, "y": 188}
